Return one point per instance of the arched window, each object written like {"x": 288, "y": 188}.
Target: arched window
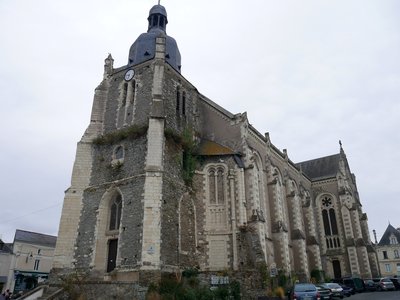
{"x": 115, "y": 213}
{"x": 216, "y": 186}
{"x": 330, "y": 223}
{"x": 155, "y": 20}
{"x": 220, "y": 186}
{"x": 119, "y": 152}
{"x": 178, "y": 99}
{"x": 183, "y": 103}
{"x": 132, "y": 100}
{"x": 329, "y": 218}
{"x": 216, "y": 206}
{"x": 325, "y": 218}
{"x": 396, "y": 253}
{"x": 332, "y": 219}
{"x": 124, "y": 93}
{"x": 162, "y": 21}
{"x": 211, "y": 186}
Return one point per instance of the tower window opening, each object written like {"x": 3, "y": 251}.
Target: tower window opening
{"x": 124, "y": 93}
{"x": 183, "y": 103}
{"x": 155, "y": 20}
{"x": 132, "y": 100}
{"x": 178, "y": 99}
{"x": 162, "y": 21}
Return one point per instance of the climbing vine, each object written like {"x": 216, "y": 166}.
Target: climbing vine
{"x": 189, "y": 157}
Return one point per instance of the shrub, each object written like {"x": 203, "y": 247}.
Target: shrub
{"x": 279, "y": 292}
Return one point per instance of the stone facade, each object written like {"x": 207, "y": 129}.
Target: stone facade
{"x": 165, "y": 179}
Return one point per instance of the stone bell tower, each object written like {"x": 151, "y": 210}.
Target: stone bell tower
{"x": 118, "y": 210}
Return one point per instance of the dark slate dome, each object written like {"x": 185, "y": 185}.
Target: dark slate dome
{"x": 144, "y": 47}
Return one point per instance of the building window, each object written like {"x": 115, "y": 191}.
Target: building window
{"x": 385, "y": 256}
{"x": 36, "y": 266}
{"x": 38, "y": 251}
{"x": 393, "y": 240}
{"x": 115, "y": 213}
{"x": 388, "y": 268}
{"x": 396, "y": 254}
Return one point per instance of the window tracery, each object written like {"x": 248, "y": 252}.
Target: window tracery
{"x": 115, "y": 213}
{"x": 330, "y": 223}
{"x": 216, "y": 194}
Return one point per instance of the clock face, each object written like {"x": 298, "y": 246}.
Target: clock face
{"x": 129, "y": 75}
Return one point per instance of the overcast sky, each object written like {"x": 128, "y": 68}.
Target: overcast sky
{"x": 309, "y": 72}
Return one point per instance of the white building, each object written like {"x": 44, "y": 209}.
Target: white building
{"x": 388, "y": 250}
{"x": 31, "y": 260}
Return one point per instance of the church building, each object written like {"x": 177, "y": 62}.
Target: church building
{"x": 165, "y": 180}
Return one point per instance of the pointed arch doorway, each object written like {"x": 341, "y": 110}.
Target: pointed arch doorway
{"x": 112, "y": 254}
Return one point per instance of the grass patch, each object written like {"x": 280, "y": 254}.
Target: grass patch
{"x": 131, "y": 132}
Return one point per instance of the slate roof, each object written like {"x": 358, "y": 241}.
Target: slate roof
{"x": 35, "y": 238}
{"x": 5, "y": 247}
{"x": 320, "y": 168}
{"x": 385, "y": 240}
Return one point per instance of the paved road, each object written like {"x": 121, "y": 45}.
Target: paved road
{"x": 376, "y": 296}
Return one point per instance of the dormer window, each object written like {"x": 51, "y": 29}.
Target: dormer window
{"x": 393, "y": 240}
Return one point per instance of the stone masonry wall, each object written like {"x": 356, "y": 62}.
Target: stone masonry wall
{"x": 105, "y": 176}
{"x": 173, "y": 190}
{"x": 132, "y": 165}
{"x": 175, "y": 119}
{"x": 142, "y": 96}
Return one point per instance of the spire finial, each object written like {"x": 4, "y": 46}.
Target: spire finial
{"x": 158, "y": 2}
{"x": 341, "y": 148}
